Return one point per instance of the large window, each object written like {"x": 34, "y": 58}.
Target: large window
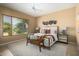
{"x": 7, "y": 26}
{"x": 14, "y": 26}
{"x": 18, "y": 26}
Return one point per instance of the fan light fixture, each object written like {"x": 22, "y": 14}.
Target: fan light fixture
{"x": 34, "y": 8}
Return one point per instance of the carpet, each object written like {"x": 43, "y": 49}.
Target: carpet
{"x": 20, "y": 49}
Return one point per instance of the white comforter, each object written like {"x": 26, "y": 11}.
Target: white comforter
{"x": 46, "y": 41}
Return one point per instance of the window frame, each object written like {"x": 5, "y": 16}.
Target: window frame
{"x": 11, "y": 25}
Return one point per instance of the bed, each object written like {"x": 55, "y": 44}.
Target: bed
{"x": 46, "y": 38}
{"x": 51, "y": 33}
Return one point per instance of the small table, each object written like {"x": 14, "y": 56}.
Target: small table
{"x": 63, "y": 38}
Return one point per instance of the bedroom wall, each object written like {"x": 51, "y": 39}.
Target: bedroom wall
{"x": 65, "y": 18}
{"x": 77, "y": 24}
{"x": 7, "y": 11}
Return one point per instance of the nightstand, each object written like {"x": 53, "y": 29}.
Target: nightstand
{"x": 63, "y": 37}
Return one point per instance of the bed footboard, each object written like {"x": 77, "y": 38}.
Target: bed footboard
{"x": 49, "y": 40}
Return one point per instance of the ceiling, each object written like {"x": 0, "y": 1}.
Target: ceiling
{"x": 40, "y": 8}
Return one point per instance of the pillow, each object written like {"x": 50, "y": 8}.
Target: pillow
{"x": 31, "y": 36}
{"x": 47, "y": 31}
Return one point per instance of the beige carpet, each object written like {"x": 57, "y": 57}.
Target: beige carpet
{"x": 19, "y": 48}
{"x": 4, "y": 51}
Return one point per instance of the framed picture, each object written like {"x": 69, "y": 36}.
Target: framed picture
{"x": 45, "y": 23}
{"x": 49, "y": 22}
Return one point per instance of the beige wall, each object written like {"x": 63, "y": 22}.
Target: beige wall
{"x": 65, "y": 18}
{"x": 7, "y": 11}
{"x": 77, "y": 23}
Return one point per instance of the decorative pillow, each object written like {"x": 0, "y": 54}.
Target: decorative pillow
{"x": 31, "y": 36}
{"x": 47, "y": 31}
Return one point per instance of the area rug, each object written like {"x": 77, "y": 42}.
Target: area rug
{"x": 20, "y": 49}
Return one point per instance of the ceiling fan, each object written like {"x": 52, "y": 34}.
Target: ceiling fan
{"x": 35, "y": 9}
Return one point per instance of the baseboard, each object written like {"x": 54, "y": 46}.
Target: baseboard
{"x": 10, "y": 42}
